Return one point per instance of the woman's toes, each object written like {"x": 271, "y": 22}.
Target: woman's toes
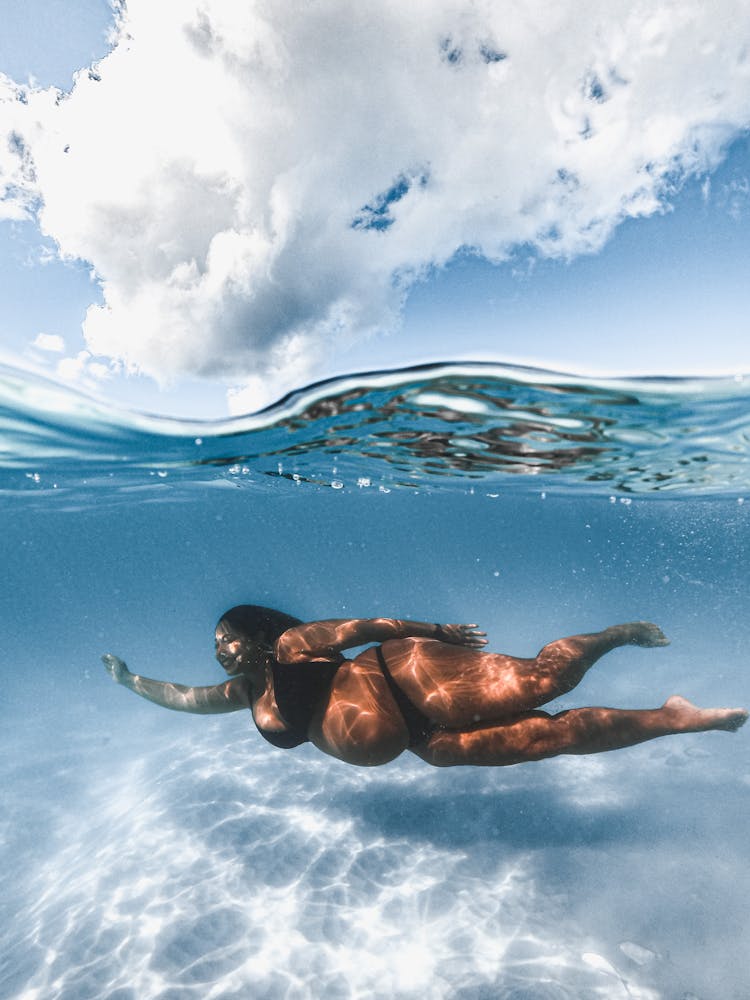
{"x": 648, "y": 634}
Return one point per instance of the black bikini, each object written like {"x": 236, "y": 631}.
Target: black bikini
{"x": 300, "y": 687}
{"x": 419, "y": 726}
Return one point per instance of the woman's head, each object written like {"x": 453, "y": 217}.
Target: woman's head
{"x": 245, "y": 635}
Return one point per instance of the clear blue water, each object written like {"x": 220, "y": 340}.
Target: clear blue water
{"x": 148, "y": 854}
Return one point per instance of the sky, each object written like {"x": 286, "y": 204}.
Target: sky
{"x": 203, "y": 207}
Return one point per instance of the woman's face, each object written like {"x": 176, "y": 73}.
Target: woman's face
{"x": 235, "y": 653}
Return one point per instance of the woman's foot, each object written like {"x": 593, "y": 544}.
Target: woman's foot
{"x": 688, "y": 718}
{"x": 643, "y": 634}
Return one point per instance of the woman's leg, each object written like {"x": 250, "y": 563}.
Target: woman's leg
{"x": 456, "y": 687}
{"x": 537, "y": 735}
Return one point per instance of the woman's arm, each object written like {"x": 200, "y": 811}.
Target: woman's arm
{"x": 323, "y": 641}
{"x": 214, "y": 700}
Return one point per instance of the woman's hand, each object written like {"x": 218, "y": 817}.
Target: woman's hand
{"x": 116, "y": 668}
{"x": 462, "y": 635}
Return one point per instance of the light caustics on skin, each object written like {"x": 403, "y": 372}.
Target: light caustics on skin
{"x": 490, "y": 711}
{"x": 249, "y": 201}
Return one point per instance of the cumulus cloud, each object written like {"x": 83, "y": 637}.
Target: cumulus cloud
{"x": 253, "y": 184}
{"x": 52, "y": 342}
{"x": 82, "y": 368}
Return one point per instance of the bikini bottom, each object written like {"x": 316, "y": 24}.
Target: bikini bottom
{"x": 419, "y": 726}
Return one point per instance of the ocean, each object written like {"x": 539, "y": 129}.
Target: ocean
{"x": 153, "y": 855}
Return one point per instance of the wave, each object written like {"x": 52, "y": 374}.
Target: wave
{"x": 429, "y": 427}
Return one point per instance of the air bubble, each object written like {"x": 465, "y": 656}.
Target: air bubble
{"x": 336, "y": 484}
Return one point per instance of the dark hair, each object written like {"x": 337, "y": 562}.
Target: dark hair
{"x": 256, "y": 622}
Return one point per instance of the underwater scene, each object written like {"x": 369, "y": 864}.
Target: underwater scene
{"x": 156, "y": 855}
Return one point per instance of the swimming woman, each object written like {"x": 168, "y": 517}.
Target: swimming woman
{"x": 423, "y": 687}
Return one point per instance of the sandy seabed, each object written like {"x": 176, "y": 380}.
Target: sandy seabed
{"x": 152, "y": 857}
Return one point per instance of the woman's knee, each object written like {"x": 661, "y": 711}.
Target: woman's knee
{"x": 445, "y": 748}
{"x": 502, "y": 745}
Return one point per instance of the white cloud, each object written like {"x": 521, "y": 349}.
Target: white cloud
{"x": 82, "y": 369}
{"x": 52, "y": 342}
{"x": 74, "y": 368}
{"x": 254, "y": 184}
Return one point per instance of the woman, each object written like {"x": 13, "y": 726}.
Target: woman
{"x": 423, "y": 687}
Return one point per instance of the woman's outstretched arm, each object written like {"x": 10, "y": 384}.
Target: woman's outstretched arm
{"x": 230, "y": 696}
{"x": 324, "y": 640}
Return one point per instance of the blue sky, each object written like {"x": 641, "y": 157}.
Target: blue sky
{"x": 664, "y": 293}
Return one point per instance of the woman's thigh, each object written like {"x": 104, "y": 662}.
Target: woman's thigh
{"x": 530, "y": 736}
{"x": 458, "y": 687}
{"x": 360, "y": 723}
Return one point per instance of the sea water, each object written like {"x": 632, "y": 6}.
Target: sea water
{"x": 151, "y": 855}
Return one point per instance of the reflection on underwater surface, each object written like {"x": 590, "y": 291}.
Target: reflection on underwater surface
{"x": 156, "y": 856}
{"x": 431, "y": 426}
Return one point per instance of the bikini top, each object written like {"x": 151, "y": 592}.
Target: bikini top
{"x": 298, "y": 688}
